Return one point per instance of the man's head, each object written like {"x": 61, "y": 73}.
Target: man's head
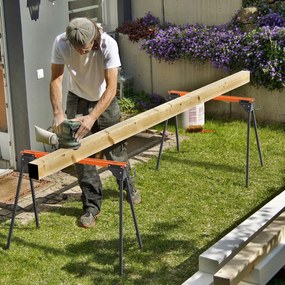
{"x": 81, "y": 32}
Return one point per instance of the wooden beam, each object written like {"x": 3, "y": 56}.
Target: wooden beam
{"x": 62, "y": 158}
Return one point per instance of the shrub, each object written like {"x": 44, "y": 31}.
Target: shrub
{"x": 226, "y": 46}
{"x": 141, "y": 28}
{"x": 139, "y": 102}
{"x": 272, "y": 20}
{"x": 263, "y": 55}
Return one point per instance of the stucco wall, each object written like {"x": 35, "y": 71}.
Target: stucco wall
{"x": 209, "y": 12}
{"x": 38, "y": 37}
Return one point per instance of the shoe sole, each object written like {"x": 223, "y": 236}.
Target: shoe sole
{"x": 87, "y": 226}
{"x": 90, "y": 225}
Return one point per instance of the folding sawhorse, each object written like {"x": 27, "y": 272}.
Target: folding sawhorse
{"x": 118, "y": 169}
{"x": 248, "y": 106}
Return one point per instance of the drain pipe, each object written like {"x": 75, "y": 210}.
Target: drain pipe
{"x": 163, "y": 11}
{"x": 151, "y": 59}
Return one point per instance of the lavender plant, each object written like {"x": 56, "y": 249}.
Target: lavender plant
{"x": 263, "y": 55}
{"x": 226, "y": 46}
{"x": 272, "y": 20}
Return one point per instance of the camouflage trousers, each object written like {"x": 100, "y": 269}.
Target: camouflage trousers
{"x": 88, "y": 177}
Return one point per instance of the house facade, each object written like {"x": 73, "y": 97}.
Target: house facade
{"x": 28, "y": 29}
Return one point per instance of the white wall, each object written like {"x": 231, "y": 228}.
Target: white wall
{"x": 38, "y": 37}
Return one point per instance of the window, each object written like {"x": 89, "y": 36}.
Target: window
{"x": 104, "y": 12}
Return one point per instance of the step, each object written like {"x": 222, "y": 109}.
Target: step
{"x": 243, "y": 263}
{"x": 211, "y": 260}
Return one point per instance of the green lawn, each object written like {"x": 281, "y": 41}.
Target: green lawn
{"x": 195, "y": 198}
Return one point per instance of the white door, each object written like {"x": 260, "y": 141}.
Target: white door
{"x": 7, "y": 157}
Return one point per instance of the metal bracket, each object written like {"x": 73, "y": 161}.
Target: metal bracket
{"x": 248, "y": 106}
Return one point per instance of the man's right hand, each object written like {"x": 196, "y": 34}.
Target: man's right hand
{"x": 57, "y": 120}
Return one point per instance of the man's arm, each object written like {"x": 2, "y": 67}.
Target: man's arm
{"x": 111, "y": 89}
{"x": 57, "y": 71}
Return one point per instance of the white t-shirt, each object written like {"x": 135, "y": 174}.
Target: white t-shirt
{"x": 86, "y": 72}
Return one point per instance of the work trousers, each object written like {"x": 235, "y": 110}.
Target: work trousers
{"x": 88, "y": 177}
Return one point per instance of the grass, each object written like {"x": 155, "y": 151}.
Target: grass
{"x": 195, "y": 198}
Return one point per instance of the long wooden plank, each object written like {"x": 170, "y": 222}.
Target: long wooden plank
{"x": 243, "y": 262}
{"x": 222, "y": 251}
{"x": 62, "y": 158}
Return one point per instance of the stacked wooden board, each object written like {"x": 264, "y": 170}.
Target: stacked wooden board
{"x": 252, "y": 253}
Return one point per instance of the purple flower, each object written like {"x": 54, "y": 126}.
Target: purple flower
{"x": 260, "y": 51}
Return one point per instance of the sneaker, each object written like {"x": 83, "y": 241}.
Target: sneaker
{"x": 87, "y": 220}
{"x": 136, "y": 197}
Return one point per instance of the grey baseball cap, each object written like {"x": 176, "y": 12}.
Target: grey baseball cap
{"x": 80, "y": 32}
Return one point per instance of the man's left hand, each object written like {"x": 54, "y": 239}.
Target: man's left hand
{"x": 87, "y": 123}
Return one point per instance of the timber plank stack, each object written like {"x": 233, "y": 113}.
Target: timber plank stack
{"x": 252, "y": 253}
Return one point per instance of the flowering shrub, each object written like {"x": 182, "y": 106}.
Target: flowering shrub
{"x": 264, "y": 7}
{"x": 263, "y": 55}
{"x": 227, "y": 46}
{"x": 272, "y": 20}
{"x": 175, "y": 42}
{"x": 196, "y": 43}
{"x": 142, "y": 28}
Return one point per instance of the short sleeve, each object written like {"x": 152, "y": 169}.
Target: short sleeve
{"x": 111, "y": 53}
{"x": 56, "y": 55}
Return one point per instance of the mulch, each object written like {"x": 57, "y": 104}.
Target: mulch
{"x": 8, "y": 186}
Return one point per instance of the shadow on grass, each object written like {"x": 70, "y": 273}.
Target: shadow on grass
{"x": 98, "y": 259}
{"x": 102, "y": 256}
{"x": 198, "y": 163}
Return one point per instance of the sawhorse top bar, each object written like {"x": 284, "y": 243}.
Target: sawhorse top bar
{"x": 117, "y": 168}
{"x": 246, "y": 102}
{"x": 225, "y": 98}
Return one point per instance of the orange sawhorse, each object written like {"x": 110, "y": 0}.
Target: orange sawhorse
{"x": 248, "y": 105}
{"x": 117, "y": 168}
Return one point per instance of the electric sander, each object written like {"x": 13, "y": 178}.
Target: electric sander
{"x": 64, "y": 137}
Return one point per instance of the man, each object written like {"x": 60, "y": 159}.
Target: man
{"x": 92, "y": 60}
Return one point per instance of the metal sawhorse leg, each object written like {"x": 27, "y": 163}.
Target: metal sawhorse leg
{"x": 118, "y": 169}
{"x": 249, "y": 108}
{"x": 121, "y": 175}
{"x": 25, "y": 159}
{"x": 163, "y": 139}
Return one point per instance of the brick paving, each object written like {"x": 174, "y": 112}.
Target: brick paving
{"x": 63, "y": 186}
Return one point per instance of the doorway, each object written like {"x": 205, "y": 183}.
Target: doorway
{"x": 5, "y": 122}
